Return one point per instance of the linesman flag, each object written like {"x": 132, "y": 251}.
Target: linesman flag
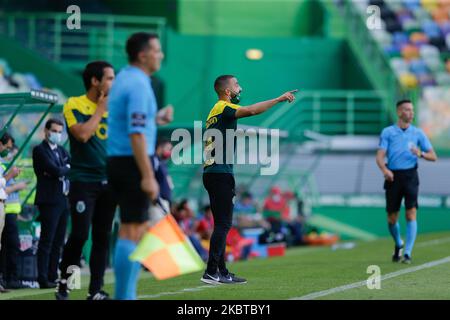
{"x": 166, "y": 251}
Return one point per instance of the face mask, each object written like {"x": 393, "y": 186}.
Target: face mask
{"x": 166, "y": 155}
{"x": 4, "y": 153}
{"x": 276, "y": 198}
{"x": 236, "y": 99}
{"x": 55, "y": 137}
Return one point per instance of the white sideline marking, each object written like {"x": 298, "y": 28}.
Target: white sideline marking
{"x": 432, "y": 242}
{"x": 323, "y": 293}
{"x": 200, "y": 288}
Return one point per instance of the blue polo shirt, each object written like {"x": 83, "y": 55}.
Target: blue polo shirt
{"x": 132, "y": 109}
{"x": 398, "y": 144}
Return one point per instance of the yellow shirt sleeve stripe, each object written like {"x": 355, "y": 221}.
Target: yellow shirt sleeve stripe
{"x": 68, "y": 113}
{"x": 220, "y": 106}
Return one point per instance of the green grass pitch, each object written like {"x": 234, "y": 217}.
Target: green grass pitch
{"x": 304, "y": 271}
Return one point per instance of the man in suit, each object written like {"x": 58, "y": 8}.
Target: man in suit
{"x": 51, "y": 163}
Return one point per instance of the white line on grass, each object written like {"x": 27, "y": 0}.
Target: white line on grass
{"x": 432, "y": 242}
{"x": 323, "y": 293}
{"x": 200, "y": 288}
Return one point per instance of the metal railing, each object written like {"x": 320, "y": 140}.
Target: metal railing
{"x": 331, "y": 112}
{"x": 14, "y": 104}
{"x": 101, "y": 36}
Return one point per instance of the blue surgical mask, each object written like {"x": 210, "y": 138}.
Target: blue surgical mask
{"x": 55, "y": 137}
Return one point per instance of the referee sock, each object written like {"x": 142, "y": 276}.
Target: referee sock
{"x": 411, "y": 232}
{"x": 126, "y": 271}
{"x": 135, "y": 271}
{"x": 394, "y": 229}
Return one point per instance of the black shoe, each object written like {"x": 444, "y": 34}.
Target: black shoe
{"x": 211, "y": 279}
{"x": 62, "y": 292}
{"x": 100, "y": 295}
{"x": 406, "y": 259}
{"x": 397, "y": 254}
{"x": 14, "y": 284}
{"x": 47, "y": 285}
{"x": 233, "y": 279}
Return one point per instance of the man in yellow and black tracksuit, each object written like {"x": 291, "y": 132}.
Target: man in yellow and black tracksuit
{"x": 90, "y": 196}
{"x": 218, "y": 177}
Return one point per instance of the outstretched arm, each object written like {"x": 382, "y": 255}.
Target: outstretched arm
{"x": 263, "y": 106}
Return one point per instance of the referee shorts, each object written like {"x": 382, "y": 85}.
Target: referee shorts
{"x": 125, "y": 180}
{"x": 405, "y": 185}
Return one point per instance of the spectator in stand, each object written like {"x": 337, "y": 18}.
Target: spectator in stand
{"x": 246, "y": 214}
{"x": 276, "y": 203}
{"x": 238, "y": 247}
{"x": 275, "y": 206}
{"x": 285, "y": 227}
{"x": 205, "y": 225}
{"x": 185, "y": 217}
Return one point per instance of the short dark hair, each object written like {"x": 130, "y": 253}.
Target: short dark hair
{"x": 182, "y": 203}
{"x": 162, "y": 141}
{"x": 6, "y": 137}
{"x": 221, "y": 82}
{"x": 51, "y": 121}
{"x": 94, "y": 69}
{"x": 138, "y": 42}
{"x": 400, "y": 102}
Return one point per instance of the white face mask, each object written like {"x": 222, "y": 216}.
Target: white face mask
{"x": 276, "y": 198}
{"x": 55, "y": 137}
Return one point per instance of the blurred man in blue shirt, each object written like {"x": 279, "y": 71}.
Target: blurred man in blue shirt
{"x": 402, "y": 144}
{"x": 131, "y": 143}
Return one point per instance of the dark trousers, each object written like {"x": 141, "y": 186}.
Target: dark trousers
{"x": 53, "y": 218}
{"x": 221, "y": 190}
{"x": 10, "y": 248}
{"x": 90, "y": 203}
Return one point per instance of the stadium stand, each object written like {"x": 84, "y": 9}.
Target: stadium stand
{"x": 415, "y": 37}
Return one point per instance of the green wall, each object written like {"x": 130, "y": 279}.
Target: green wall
{"x": 264, "y": 18}
{"x": 153, "y": 8}
{"x": 193, "y": 62}
{"x": 373, "y": 220}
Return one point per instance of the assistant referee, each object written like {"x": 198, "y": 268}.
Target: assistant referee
{"x": 403, "y": 144}
{"x": 132, "y": 137}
